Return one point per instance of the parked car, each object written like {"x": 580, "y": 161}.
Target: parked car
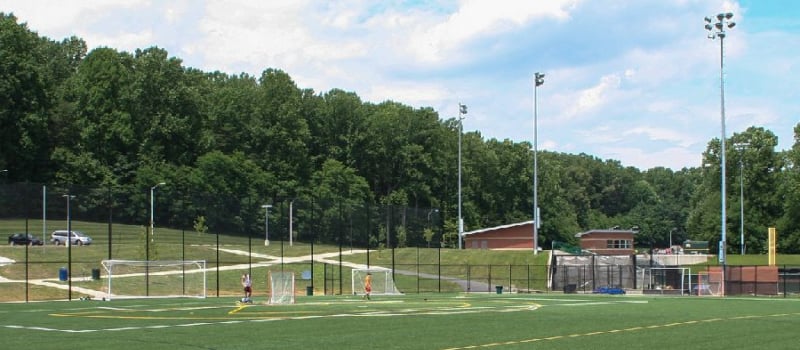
{"x": 23, "y": 239}
{"x": 60, "y": 237}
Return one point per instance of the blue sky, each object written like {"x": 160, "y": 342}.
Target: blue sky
{"x": 635, "y": 81}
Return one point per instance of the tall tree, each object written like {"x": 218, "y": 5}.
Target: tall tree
{"x": 27, "y": 95}
{"x": 789, "y": 194}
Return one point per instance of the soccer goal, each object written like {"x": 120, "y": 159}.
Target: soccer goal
{"x": 709, "y": 283}
{"x": 155, "y": 278}
{"x": 668, "y": 280}
{"x": 281, "y": 287}
{"x": 382, "y": 281}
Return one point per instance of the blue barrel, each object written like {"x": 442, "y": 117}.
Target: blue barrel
{"x": 62, "y": 274}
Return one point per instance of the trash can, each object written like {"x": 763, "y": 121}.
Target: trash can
{"x": 62, "y": 274}
{"x": 309, "y": 290}
{"x": 499, "y": 289}
{"x": 95, "y": 274}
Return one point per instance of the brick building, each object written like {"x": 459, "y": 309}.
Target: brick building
{"x": 607, "y": 242}
{"x": 511, "y": 236}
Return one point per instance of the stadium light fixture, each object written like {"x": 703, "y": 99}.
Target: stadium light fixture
{"x": 718, "y": 31}
{"x": 538, "y": 80}
{"x": 462, "y": 110}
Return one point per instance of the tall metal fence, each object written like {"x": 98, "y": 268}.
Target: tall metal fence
{"x": 236, "y": 235}
{"x": 43, "y": 208}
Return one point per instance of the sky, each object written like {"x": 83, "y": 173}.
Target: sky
{"x": 634, "y": 81}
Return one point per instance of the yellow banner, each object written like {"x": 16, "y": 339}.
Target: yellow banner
{"x": 773, "y": 239}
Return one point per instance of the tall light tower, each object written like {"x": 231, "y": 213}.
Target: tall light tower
{"x": 717, "y": 30}
{"x": 266, "y": 223}
{"x": 462, "y": 110}
{"x": 538, "y": 80}
{"x": 741, "y": 146}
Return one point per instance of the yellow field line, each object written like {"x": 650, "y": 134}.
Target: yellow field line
{"x": 241, "y": 307}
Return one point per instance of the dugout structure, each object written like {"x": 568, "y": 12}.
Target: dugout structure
{"x": 575, "y": 273}
{"x": 155, "y": 278}
{"x": 382, "y": 281}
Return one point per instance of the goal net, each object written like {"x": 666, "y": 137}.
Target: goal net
{"x": 155, "y": 278}
{"x": 281, "y": 287}
{"x": 709, "y": 283}
{"x": 382, "y": 281}
{"x": 672, "y": 280}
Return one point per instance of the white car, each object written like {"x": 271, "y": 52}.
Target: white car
{"x": 60, "y": 237}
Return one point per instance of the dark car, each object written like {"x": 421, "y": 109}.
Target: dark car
{"x": 23, "y": 239}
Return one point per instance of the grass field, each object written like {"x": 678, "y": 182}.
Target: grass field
{"x": 435, "y": 321}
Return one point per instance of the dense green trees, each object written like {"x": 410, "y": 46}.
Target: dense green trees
{"x": 230, "y": 143}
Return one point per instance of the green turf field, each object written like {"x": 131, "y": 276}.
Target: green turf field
{"x": 434, "y": 321}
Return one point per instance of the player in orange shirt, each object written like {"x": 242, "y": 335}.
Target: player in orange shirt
{"x": 367, "y": 285}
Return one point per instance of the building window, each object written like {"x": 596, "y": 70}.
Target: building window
{"x": 618, "y": 244}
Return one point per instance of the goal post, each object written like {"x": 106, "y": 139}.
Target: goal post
{"x": 382, "y": 281}
{"x": 155, "y": 279}
{"x": 281, "y": 287}
{"x": 678, "y": 280}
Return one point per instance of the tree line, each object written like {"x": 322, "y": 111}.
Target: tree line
{"x": 127, "y": 121}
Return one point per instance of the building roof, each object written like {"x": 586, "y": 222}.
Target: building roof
{"x": 581, "y": 234}
{"x": 501, "y": 227}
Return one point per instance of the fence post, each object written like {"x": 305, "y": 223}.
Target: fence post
{"x": 469, "y": 280}
{"x": 784, "y": 281}
{"x": 528, "y": 276}
{"x": 509, "y": 277}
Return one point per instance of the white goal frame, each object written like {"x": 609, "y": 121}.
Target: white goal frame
{"x": 281, "y": 287}
{"x": 382, "y": 281}
{"x": 159, "y": 273}
{"x": 652, "y": 275}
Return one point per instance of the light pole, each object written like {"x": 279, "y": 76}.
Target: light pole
{"x": 670, "y": 238}
{"x": 462, "y": 110}
{"x": 152, "y": 208}
{"x": 69, "y": 198}
{"x": 538, "y": 80}
{"x": 266, "y": 223}
{"x": 717, "y": 30}
{"x": 741, "y": 146}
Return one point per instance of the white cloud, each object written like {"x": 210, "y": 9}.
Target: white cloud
{"x": 674, "y": 157}
{"x": 411, "y": 93}
{"x": 590, "y": 99}
{"x": 64, "y": 16}
{"x": 661, "y": 134}
{"x": 474, "y": 18}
